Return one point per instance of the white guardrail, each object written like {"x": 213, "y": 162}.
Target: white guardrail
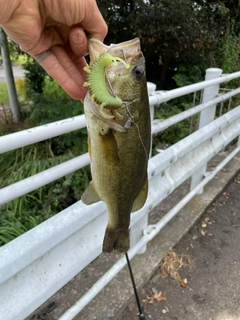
{"x": 37, "y": 264}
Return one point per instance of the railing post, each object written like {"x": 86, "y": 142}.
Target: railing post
{"x": 136, "y": 232}
{"x": 9, "y": 77}
{"x": 205, "y": 117}
{"x": 151, "y": 87}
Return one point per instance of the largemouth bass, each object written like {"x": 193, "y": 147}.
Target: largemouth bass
{"x": 119, "y": 135}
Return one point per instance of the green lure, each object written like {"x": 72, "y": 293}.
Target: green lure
{"x": 97, "y": 87}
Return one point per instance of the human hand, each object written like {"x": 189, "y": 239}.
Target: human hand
{"x": 53, "y": 32}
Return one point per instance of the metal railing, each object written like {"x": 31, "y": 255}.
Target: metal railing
{"x": 52, "y": 253}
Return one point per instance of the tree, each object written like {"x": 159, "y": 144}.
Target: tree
{"x": 177, "y": 30}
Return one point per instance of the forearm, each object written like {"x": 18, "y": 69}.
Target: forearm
{"x": 7, "y": 7}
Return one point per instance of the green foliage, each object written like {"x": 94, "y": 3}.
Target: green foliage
{"x": 178, "y": 131}
{"x": 12, "y": 228}
{"x": 23, "y": 213}
{"x": 17, "y": 56}
{"x": 35, "y": 76}
{"x": 4, "y": 98}
{"x": 4, "y": 128}
{"x": 229, "y": 47}
{"x": 35, "y": 207}
{"x": 3, "y": 93}
{"x": 189, "y": 73}
{"x": 168, "y": 29}
{"x": 53, "y": 104}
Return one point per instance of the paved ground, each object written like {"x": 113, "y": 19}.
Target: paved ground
{"x": 18, "y": 72}
{"x": 213, "y": 276}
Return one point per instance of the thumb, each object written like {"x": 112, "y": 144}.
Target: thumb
{"x": 78, "y": 41}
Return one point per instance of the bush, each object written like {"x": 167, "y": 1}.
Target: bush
{"x": 35, "y": 76}
{"x": 22, "y": 214}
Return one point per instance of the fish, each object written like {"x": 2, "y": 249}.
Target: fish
{"x": 119, "y": 135}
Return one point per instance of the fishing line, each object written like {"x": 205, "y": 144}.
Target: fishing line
{"x": 127, "y": 126}
{"x": 108, "y": 80}
{"x": 141, "y": 313}
{"x": 109, "y": 83}
{"x": 130, "y": 121}
{"x": 124, "y": 56}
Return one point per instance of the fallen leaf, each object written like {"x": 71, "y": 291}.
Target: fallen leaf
{"x": 227, "y": 195}
{"x": 166, "y": 308}
{"x": 203, "y": 233}
{"x": 158, "y": 296}
{"x": 207, "y": 220}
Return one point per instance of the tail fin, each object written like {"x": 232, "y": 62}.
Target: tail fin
{"x": 116, "y": 239}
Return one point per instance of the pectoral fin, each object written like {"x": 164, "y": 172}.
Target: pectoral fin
{"x": 141, "y": 198}
{"x": 90, "y": 195}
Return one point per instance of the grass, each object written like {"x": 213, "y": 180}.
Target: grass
{"x": 11, "y": 229}
{"x": 20, "y": 88}
{"x": 27, "y": 211}
{"x": 3, "y": 93}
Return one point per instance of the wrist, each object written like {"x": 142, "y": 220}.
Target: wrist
{"x": 7, "y": 8}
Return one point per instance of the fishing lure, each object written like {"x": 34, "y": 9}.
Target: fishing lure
{"x": 97, "y": 87}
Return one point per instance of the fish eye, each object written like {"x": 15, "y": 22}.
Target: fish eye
{"x": 138, "y": 71}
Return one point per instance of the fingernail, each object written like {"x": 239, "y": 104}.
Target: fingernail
{"x": 76, "y": 39}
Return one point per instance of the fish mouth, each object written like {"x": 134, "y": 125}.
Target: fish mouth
{"x": 125, "y": 50}
{"x": 130, "y": 52}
